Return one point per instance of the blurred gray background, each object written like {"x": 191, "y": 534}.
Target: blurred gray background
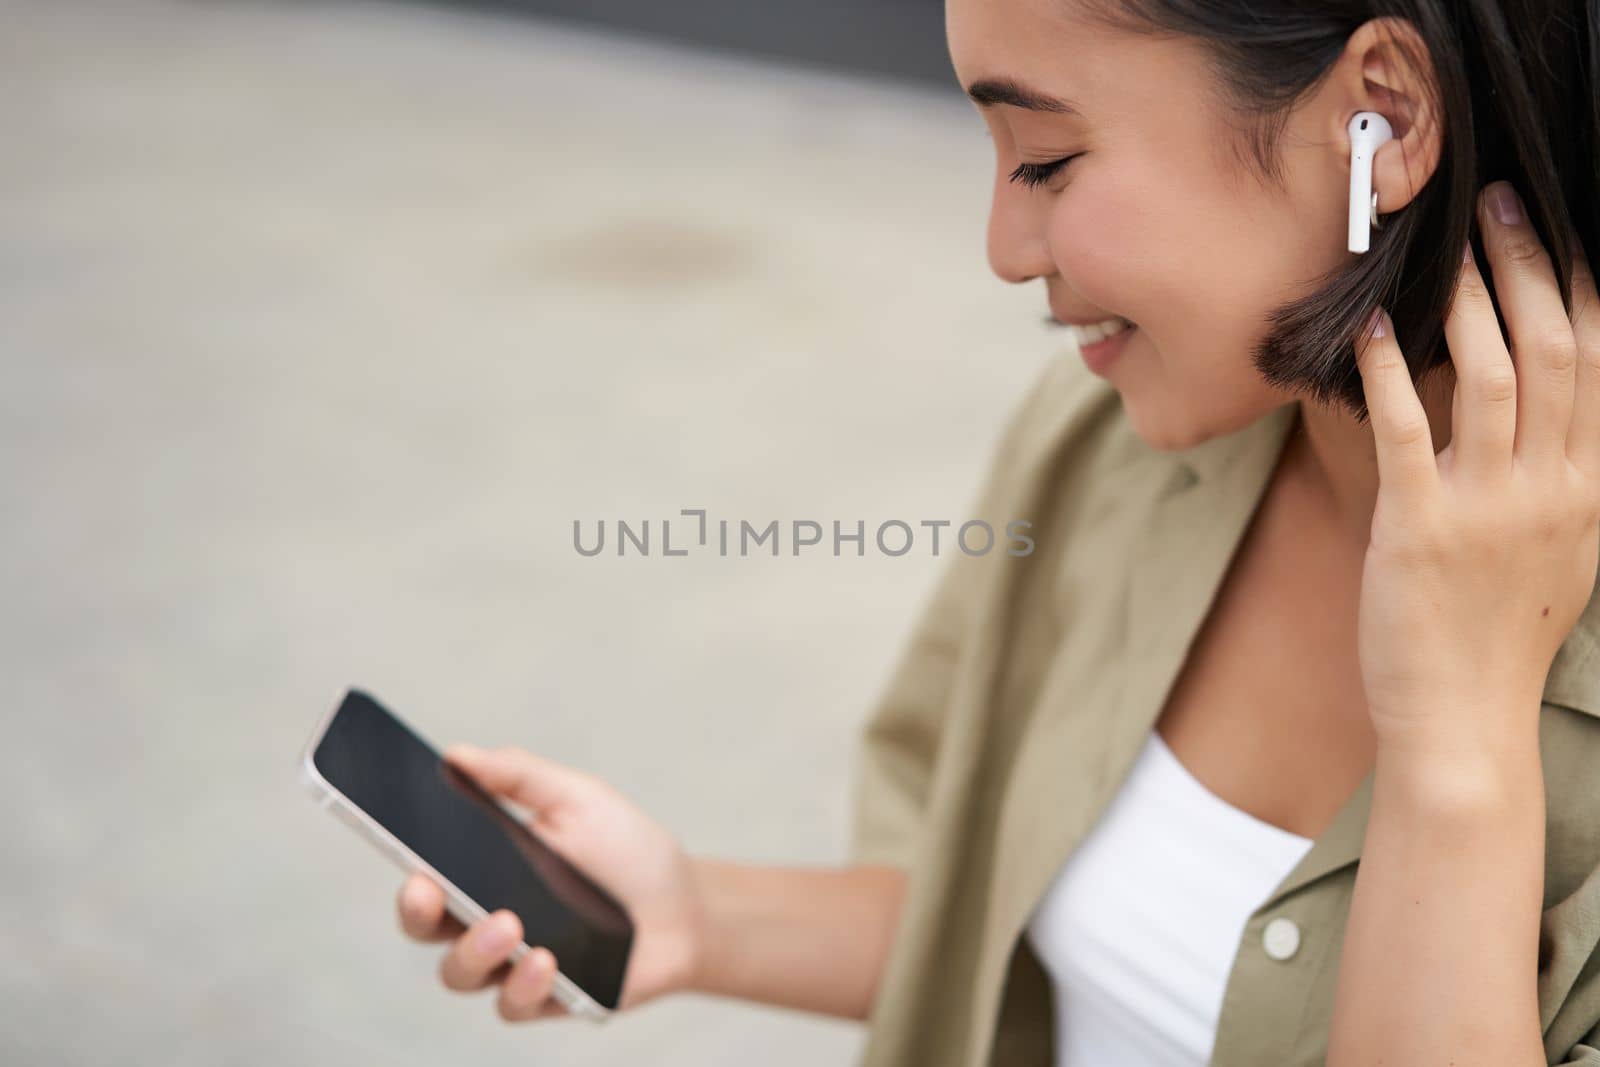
{"x": 321, "y": 324}
{"x": 899, "y": 38}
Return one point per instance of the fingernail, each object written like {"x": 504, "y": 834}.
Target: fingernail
{"x": 1377, "y": 323}
{"x": 1504, "y": 203}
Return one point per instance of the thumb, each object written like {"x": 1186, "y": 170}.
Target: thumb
{"x": 525, "y": 778}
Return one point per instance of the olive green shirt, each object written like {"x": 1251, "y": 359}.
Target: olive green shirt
{"x": 1021, "y": 701}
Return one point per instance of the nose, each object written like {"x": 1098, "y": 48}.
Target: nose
{"x": 1018, "y": 251}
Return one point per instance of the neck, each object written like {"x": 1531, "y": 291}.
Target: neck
{"x": 1333, "y": 457}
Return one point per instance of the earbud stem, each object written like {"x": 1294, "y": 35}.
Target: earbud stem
{"x": 1368, "y": 130}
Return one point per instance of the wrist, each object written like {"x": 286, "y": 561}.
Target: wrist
{"x": 1464, "y": 776}
{"x": 1482, "y": 725}
{"x": 707, "y": 877}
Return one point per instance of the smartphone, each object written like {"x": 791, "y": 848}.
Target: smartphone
{"x": 371, "y": 770}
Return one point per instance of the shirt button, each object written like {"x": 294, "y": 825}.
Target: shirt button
{"x": 1281, "y": 938}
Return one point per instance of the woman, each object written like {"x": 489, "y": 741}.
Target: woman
{"x": 1283, "y": 747}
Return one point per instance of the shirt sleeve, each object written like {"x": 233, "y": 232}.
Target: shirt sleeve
{"x": 894, "y": 761}
{"x": 900, "y": 743}
{"x": 1585, "y": 1053}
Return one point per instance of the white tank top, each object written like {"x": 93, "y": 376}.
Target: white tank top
{"x": 1139, "y": 929}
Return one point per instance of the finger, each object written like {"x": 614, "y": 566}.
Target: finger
{"x": 1399, "y": 424}
{"x": 1543, "y": 350}
{"x": 471, "y": 962}
{"x": 528, "y": 779}
{"x": 526, "y": 992}
{"x": 1583, "y": 437}
{"x": 1484, "y": 418}
{"x": 422, "y": 915}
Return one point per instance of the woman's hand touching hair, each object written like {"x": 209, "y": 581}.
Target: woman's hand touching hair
{"x": 1483, "y": 557}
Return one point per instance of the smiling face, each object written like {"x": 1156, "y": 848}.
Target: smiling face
{"x": 1158, "y": 219}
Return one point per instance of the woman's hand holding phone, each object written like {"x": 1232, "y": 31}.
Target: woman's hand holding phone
{"x": 589, "y": 822}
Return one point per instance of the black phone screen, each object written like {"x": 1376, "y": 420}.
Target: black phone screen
{"x": 443, "y": 816}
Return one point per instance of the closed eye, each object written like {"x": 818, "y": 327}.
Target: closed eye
{"x": 1036, "y": 174}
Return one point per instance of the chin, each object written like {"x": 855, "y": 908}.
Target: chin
{"x": 1163, "y": 432}
{"x": 1173, "y": 412}
{"x": 1175, "y": 431}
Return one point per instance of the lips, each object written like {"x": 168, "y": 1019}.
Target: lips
{"x": 1100, "y": 354}
{"x": 1068, "y": 320}
{"x": 1100, "y": 331}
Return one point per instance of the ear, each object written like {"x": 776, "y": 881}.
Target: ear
{"x": 1385, "y": 67}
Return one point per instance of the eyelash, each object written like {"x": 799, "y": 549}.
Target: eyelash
{"x": 1034, "y": 175}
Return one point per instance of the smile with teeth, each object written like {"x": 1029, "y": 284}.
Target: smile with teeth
{"x": 1099, "y": 331}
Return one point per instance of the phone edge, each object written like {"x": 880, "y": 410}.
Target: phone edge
{"x": 466, "y": 910}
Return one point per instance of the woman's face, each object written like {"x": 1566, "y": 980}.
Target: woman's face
{"x": 1157, "y": 221}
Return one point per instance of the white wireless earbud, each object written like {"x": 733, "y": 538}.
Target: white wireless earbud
{"x": 1368, "y": 130}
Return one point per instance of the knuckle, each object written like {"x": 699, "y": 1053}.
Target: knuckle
{"x": 1498, "y": 386}
{"x": 1473, "y": 289}
{"x": 1409, "y": 431}
{"x": 1548, "y": 525}
{"x": 1560, "y": 349}
{"x": 1522, "y": 249}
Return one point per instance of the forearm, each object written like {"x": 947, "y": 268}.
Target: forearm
{"x": 1440, "y": 955}
{"x": 810, "y": 938}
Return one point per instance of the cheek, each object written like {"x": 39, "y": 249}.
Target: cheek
{"x": 1119, "y": 250}
{"x": 1152, "y": 257}
{"x": 1195, "y": 269}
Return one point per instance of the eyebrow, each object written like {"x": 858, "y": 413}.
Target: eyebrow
{"x": 990, "y": 91}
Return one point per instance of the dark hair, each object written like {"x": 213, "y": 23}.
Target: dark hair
{"x": 1517, "y": 98}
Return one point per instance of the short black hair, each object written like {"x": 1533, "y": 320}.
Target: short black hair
{"x": 1529, "y": 113}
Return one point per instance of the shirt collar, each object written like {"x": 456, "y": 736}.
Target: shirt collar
{"x": 1215, "y": 487}
{"x": 1574, "y": 678}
